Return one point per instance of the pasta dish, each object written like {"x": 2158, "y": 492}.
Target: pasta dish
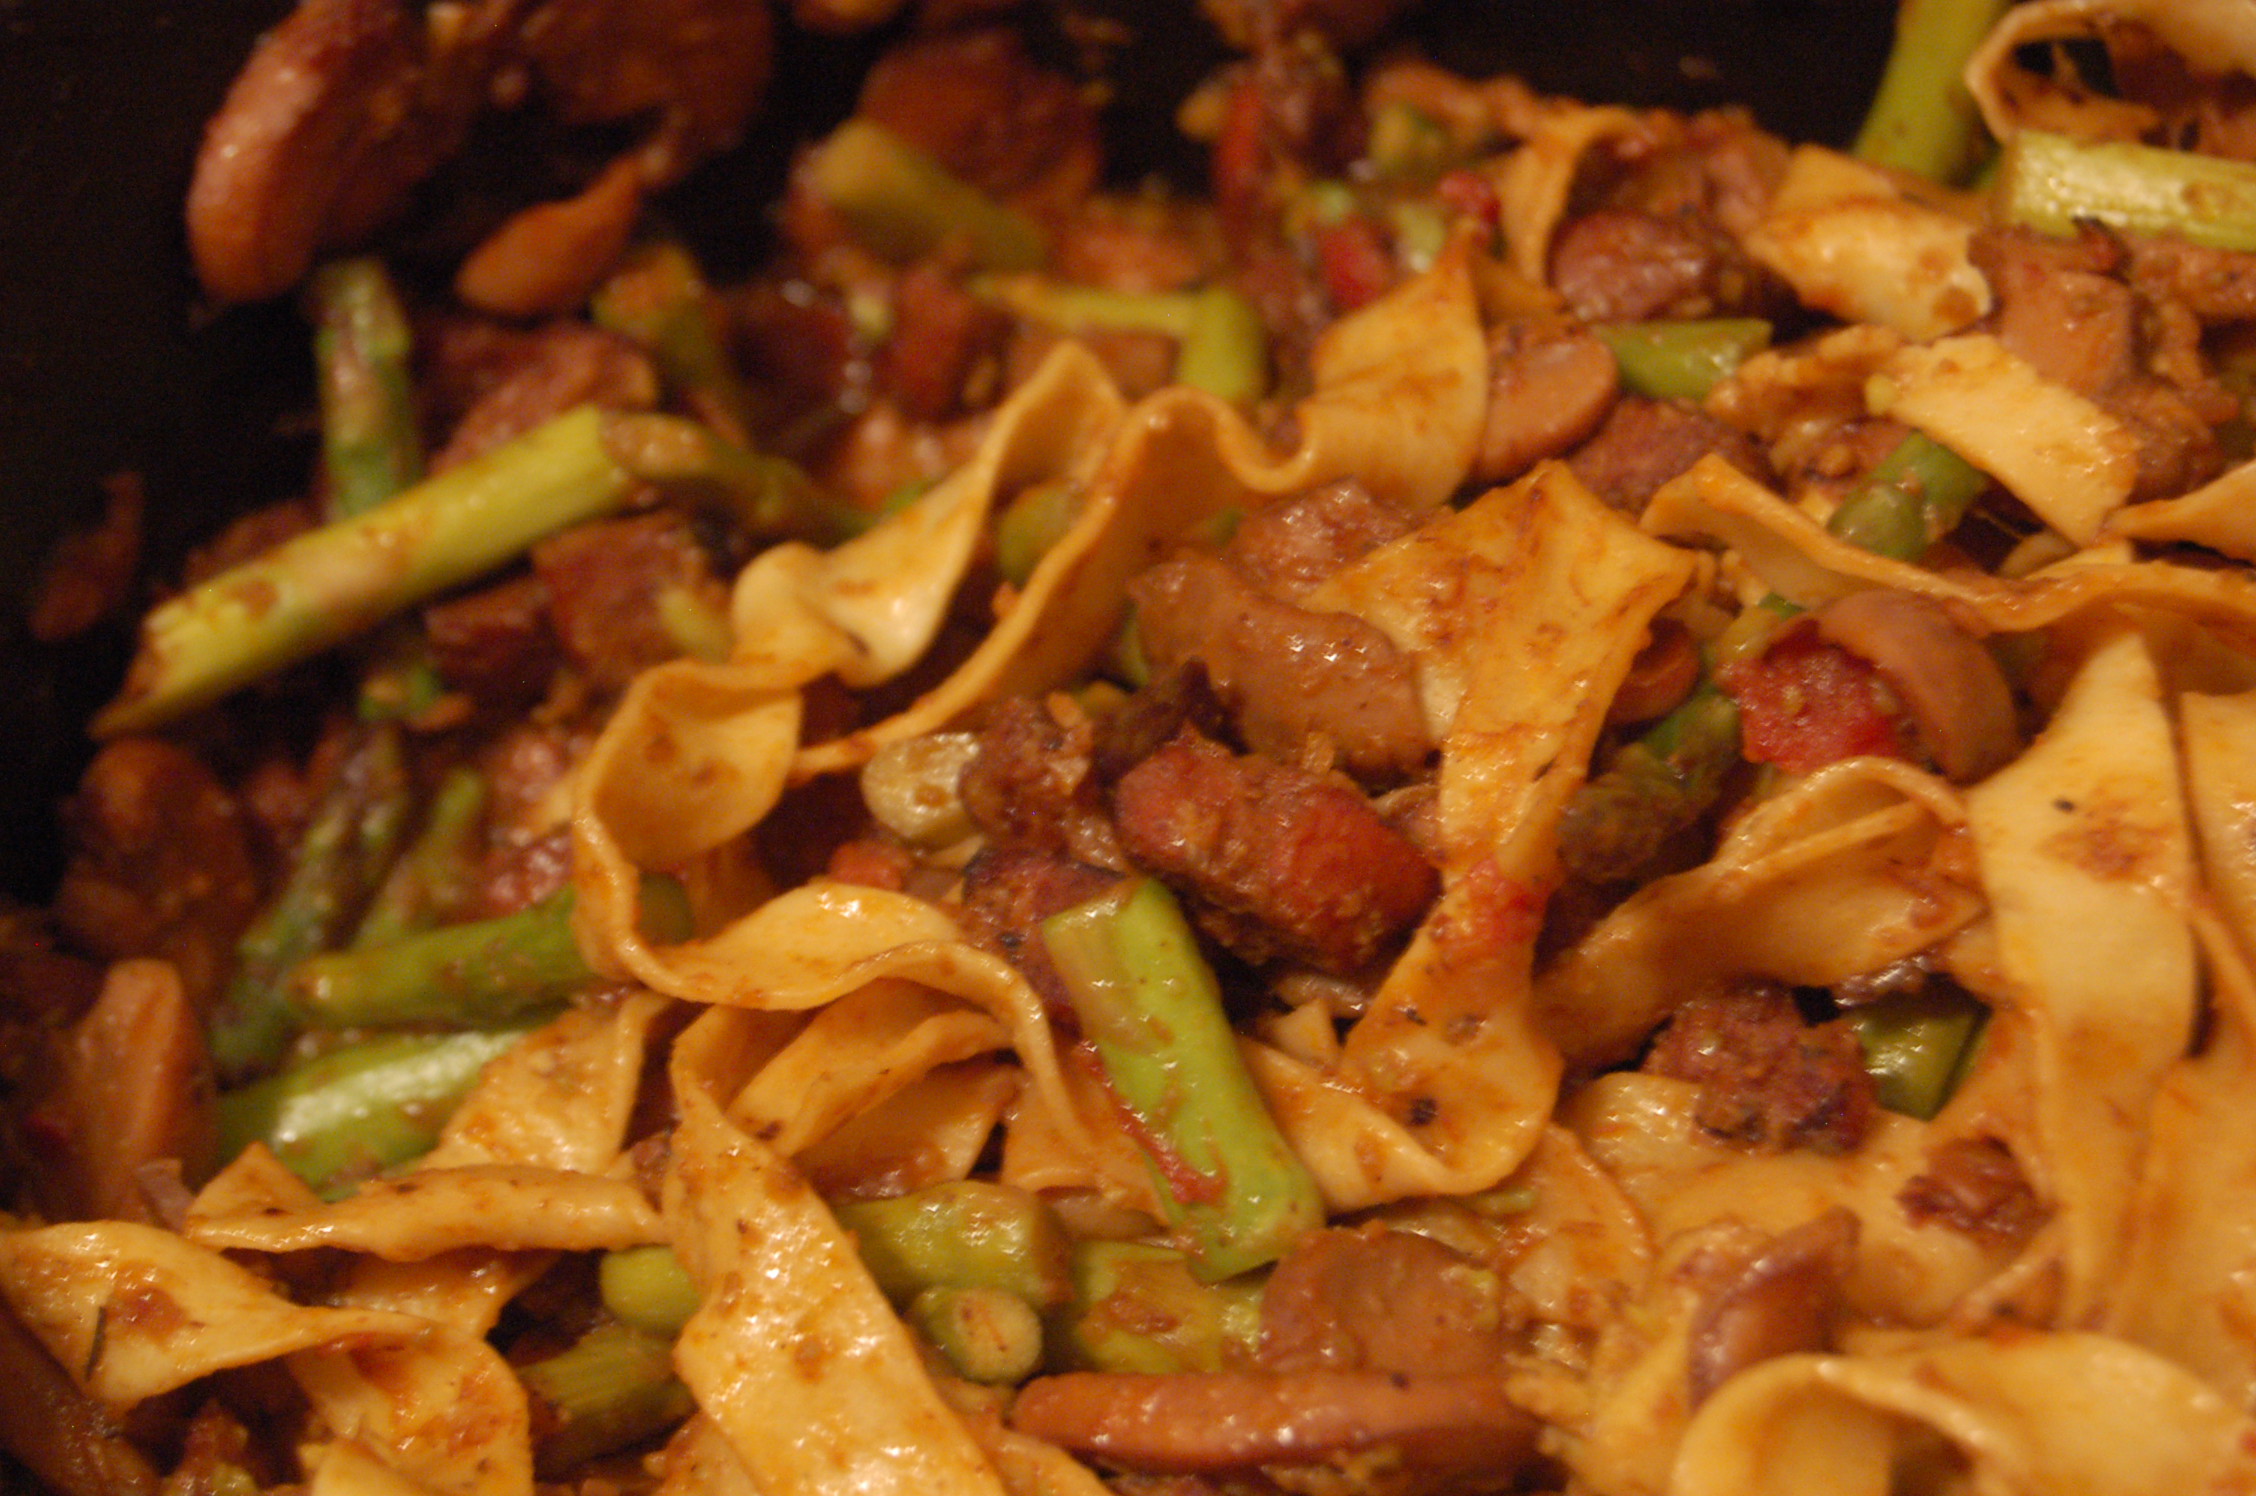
{"x": 1538, "y": 796}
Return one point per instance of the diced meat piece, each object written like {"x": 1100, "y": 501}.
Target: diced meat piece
{"x": 495, "y": 643}
{"x": 1008, "y": 892}
{"x": 1301, "y": 867}
{"x": 1288, "y": 547}
{"x": 1435, "y": 1428}
{"x": 1373, "y": 1299}
{"x": 90, "y": 574}
{"x": 1550, "y": 384}
{"x": 940, "y": 332}
{"x": 41, "y": 985}
{"x": 1785, "y": 1300}
{"x": 1286, "y": 674}
{"x": 516, "y": 381}
{"x": 1150, "y": 719}
{"x": 160, "y": 864}
{"x": 985, "y": 110}
{"x": 872, "y": 863}
{"x": 700, "y": 66}
{"x": 528, "y": 850}
{"x": 1768, "y": 1079}
{"x": 2075, "y": 325}
{"x": 2178, "y": 449}
{"x": 1033, "y": 783}
{"x": 1643, "y": 443}
{"x": 2217, "y": 285}
{"x": 137, "y": 1087}
{"x": 609, "y": 585}
{"x": 792, "y": 340}
{"x": 1134, "y": 244}
{"x": 1975, "y": 1185}
{"x": 1616, "y": 265}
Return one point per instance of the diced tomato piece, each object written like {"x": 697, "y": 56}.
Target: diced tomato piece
{"x": 1805, "y": 703}
{"x": 1356, "y": 265}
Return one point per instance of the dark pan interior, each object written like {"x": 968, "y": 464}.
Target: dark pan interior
{"x": 109, "y": 363}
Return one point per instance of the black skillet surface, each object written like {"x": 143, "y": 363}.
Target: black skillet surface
{"x": 109, "y": 362}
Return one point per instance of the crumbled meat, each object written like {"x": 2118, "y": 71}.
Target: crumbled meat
{"x": 495, "y": 643}
{"x": 1033, "y": 783}
{"x": 1282, "y": 862}
{"x": 1643, "y": 443}
{"x": 2178, "y": 450}
{"x": 1287, "y": 547}
{"x": 2058, "y": 308}
{"x": 1975, "y": 1185}
{"x": 1375, "y": 1299}
{"x": 872, "y": 862}
{"x": 940, "y": 332}
{"x": 2216, "y": 285}
{"x": 1287, "y": 674}
{"x": 1009, "y": 891}
{"x": 1550, "y": 384}
{"x": 505, "y": 382}
{"x": 1149, "y": 719}
{"x": 160, "y": 864}
{"x": 1767, "y": 1079}
{"x": 610, "y": 585}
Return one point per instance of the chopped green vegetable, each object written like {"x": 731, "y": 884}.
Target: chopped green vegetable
{"x": 1922, "y": 119}
{"x": 659, "y": 299}
{"x": 1035, "y": 519}
{"x": 1149, "y": 1003}
{"x": 647, "y": 1288}
{"x": 435, "y": 874}
{"x": 1655, "y": 788}
{"x": 1915, "y": 496}
{"x": 902, "y": 204}
{"x": 348, "y": 844}
{"x": 1222, "y": 345}
{"x": 1138, "y": 1307}
{"x": 370, "y": 445}
{"x": 354, "y": 1112}
{"x": 964, "y": 1234}
{"x": 987, "y": 1334}
{"x": 1682, "y": 360}
{"x": 2051, "y": 183}
{"x": 1915, "y": 1044}
{"x": 612, "y": 1388}
{"x": 478, "y": 974}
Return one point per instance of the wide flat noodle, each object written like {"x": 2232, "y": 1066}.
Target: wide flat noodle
{"x": 1536, "y": 180}
{"x": 2212, "y": 36}
{"x": 2030, "y": 1414}
{"x": 1522, "y": 612}
{"x": 2221, "y": 514}
{"x": 794, "y": 1354}
{"x": 509, "y": 1207}
{"x": 2087, "y": 859}
{"x": 1845, "y": 872}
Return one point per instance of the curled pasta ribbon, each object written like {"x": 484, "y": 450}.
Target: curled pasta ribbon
{"x": 2212, "y": 36}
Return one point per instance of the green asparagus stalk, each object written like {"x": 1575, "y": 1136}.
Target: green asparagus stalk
{"x": 479, "y": 974}
{"x": 612, "y": 1388}
{"x": 347, "y": 846}
{"x": 963, "y": 1234}
{"x": 902, "y": 204}
{"x": 1035, "y": 519}
{"x": 433, "y": 877}
{"x": 370, "y": 446}
{"x": 1915, "y": 1044}
{"x": 1922, "y": 119}
{"x": 647, "y": 1288}
{"x": 988, "y": 1335}
{"x": 659, "y": 299}
{"x": 1221, "y": 345}
{"x": 2051, "y": 183}
{"x": 1682, "y": 360}
{"x": 769, "y": 495}
{"x": 1149, "y": 1003}
{"x": 1137, "y": 1307}
{"x": 1666, "y": 780}
{"x": 355, "y": 1111}
{"x": 330, "y": 583}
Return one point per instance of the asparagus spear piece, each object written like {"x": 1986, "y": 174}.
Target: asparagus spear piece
{"x": 2051, "y": 183}
{"x": 327, "y": 584}
{"x": 1922, "y": 119}
{"x": 988, "y": 1335}
{"x": 433, "y": 876}
{"x": 370, "y": 447}
{"x": 1221, "y": 345}
{"x": 1149, "y": 1003}
{"x": 963, "y": 1234}
{"x": 902, "y": 204}
{"x": 1682, "y": 360}
{"x": 355, "y": 1111}
{"x": 614, "y": 1387}
{"x": 352, "y": 838}
{"x": 659, "y": 299}
{"x": 1912, "y": 498}
{"x": 1136, "y": 1307}
{"x": 647, "y": 1288}
{"x": 478, "y": 974}
{"x": 1914, "y": 1046}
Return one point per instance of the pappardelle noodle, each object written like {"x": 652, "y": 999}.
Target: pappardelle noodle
{"x": 1543, "y": 796}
